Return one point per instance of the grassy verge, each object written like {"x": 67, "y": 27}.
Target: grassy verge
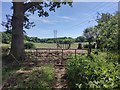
{"x": 28, "y": 76}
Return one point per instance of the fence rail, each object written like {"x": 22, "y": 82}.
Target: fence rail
{"x": 52, "y": 54}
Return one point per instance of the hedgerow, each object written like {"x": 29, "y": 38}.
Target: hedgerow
{"x": 93, "y": 72}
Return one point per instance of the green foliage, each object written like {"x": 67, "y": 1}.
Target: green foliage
{"x": 65, "y": 40}
{"x": 51, "y": 5}
{"x": 5, "y": 50}
{"x": 49, "y": 40}
{"x": 108, "y": 31}
{"x": 93, "y": 72}
{"x": 8, "y": 70}
{"x": 89, "y": 34}
{"x": 6, "y": 37}
{"x": 113, "y": 56}
{"x": 80, "y": 39}
{"x": 31, "y": 39}
{"x": 29, "y": 45}
{"x": 105, "y": 34}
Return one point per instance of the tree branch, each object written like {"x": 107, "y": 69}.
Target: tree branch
{"x": 30, "y": 4}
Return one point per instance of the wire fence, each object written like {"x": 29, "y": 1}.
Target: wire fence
{"x": 52, "y": 55}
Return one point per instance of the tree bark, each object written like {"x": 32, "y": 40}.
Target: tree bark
{"x": 17, "y": 43}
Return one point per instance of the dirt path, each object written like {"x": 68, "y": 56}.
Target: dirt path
{"x": 60, "y": 82}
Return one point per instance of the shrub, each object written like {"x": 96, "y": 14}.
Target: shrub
{"x": 79, "y": 46}
{"x": 6, "y": 38}
{"x": 86, "y": 46}
{"x": 5, "y": 49}
{"x": 92, "y": 73}
{"x": 95, "y": 51}
{"x": 29, "y": 45}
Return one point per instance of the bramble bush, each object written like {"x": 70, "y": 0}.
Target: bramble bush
{"x": 29, "y": 45}
{"x": 93, "y": 72}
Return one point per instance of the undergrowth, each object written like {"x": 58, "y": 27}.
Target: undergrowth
{"x": 98, "y": 71}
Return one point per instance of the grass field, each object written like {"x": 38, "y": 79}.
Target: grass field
{"x": 47, "y": 45}
{"x": 5, "y": 45}
{"x": 52, "y": 45}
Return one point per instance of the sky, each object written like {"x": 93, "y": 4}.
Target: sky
{"x": 68, "y": 21}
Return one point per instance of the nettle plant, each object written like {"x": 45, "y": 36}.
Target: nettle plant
{"x": 85, "y": 72}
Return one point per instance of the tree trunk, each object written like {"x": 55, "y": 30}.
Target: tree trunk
{"x": 17, "y": 44}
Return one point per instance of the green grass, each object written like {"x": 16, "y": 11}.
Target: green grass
{"x": 7, "y": 71}
{"x": 37, "y": 77}
{"x": 48, "y": 45}
{"x": 52, "y": 45}
{"x": 4, "y": 45}
{"x": 45, "y": 45}
{"x": 74, "y": 45}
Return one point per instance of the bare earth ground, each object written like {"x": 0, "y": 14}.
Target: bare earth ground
{"x": 60, "y": 78}
{"x": 59, "y": 82}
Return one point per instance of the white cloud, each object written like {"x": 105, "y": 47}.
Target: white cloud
{"x": 46, "y": 21}
{"x": 57, "y": 19}
{"x": 43, "y": 20}
{"x": 67, "y": 18}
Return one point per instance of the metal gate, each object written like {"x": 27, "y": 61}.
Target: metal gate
{"x": 51, "y": 55}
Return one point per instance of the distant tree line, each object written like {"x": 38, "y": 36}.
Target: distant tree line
{"x": 6, "y": 38}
